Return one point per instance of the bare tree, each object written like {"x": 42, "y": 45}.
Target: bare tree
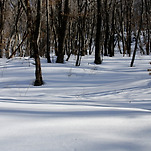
{"x": 1, "y": 26}
{"x": 48, "y": 31}
{"x": 138, "y": 33}
{"x": 148, "y": 26}
{"x": 73, "y": 27}
{"x": 98, "y": 34}
{"x": 112, "y": 30}
{"x": 106, "y": 24}
{"x": 33, "y": 31}
{"x": 61, "y": 30}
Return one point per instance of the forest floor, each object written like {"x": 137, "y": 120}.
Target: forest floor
{"x": 103, "y": 107}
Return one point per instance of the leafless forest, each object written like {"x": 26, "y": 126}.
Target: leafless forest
{"x": 73, "y": 27}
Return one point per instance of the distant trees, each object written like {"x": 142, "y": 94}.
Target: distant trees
{"x": 73, "y": 27}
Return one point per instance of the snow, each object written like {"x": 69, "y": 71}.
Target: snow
{"x": 103, "y": 107}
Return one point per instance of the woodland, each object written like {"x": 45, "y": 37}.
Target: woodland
{"x": 91, "y": 90}
{"x": 57, "y": 29}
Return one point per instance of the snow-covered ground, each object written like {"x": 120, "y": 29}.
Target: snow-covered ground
{"x": 103, "y": 107}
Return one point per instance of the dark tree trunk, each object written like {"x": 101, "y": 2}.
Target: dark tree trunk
{"x": 47, "y": 22}
{"x": 98, "y": 35}
{"x": 106, "y": 29}
{"x": 63, "y": 17}
{"x": 38, "y": 72}
{"x": 111, "y": 45}
{"x": 128, "y": 26}
{"x": 33, "y": 30}
{"x": 148, "y": 28}
{"x": 1, "y": 27}
{"x": 121, "y": 14}
{"x": 137, "y": 37}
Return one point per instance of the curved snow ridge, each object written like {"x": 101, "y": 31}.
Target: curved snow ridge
{"x": 66, "y": 111}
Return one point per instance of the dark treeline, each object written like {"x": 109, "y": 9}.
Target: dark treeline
{"x": 62, "y": 28}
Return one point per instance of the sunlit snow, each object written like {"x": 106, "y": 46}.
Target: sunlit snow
{"x": 103, "y": 107}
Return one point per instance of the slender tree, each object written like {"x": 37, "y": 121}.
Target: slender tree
{"x": 1, "y": 26}
{"x": 98, "y": 34}
{"x": 106, "y": 27}
{"x": 138, "y": 34}
{"x": 148, "y": 27}
{"x": 61, "y": 30}
{"x": 33, "y": 30}
{"x": 112, "y": 30}
{"x": 128, "y": 4}
{"x": 48, "y": 37}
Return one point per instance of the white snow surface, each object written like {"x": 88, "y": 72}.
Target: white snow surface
{"x": 103, "y": 107}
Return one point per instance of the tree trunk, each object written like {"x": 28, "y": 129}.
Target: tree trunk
{"x": 111, "y": 48}
{"x": 106, "y": 29}
{"x": 98, "y": 35}
{"x": 47, "y": 22}
{"x": 33, "y": 30}
{"x": 1, "y": 27}
{"x": 63, "y": 17}
{"x": 137, "y": 38}
{"x": 128, "y": 26}
{"x": 148, "y": 27}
